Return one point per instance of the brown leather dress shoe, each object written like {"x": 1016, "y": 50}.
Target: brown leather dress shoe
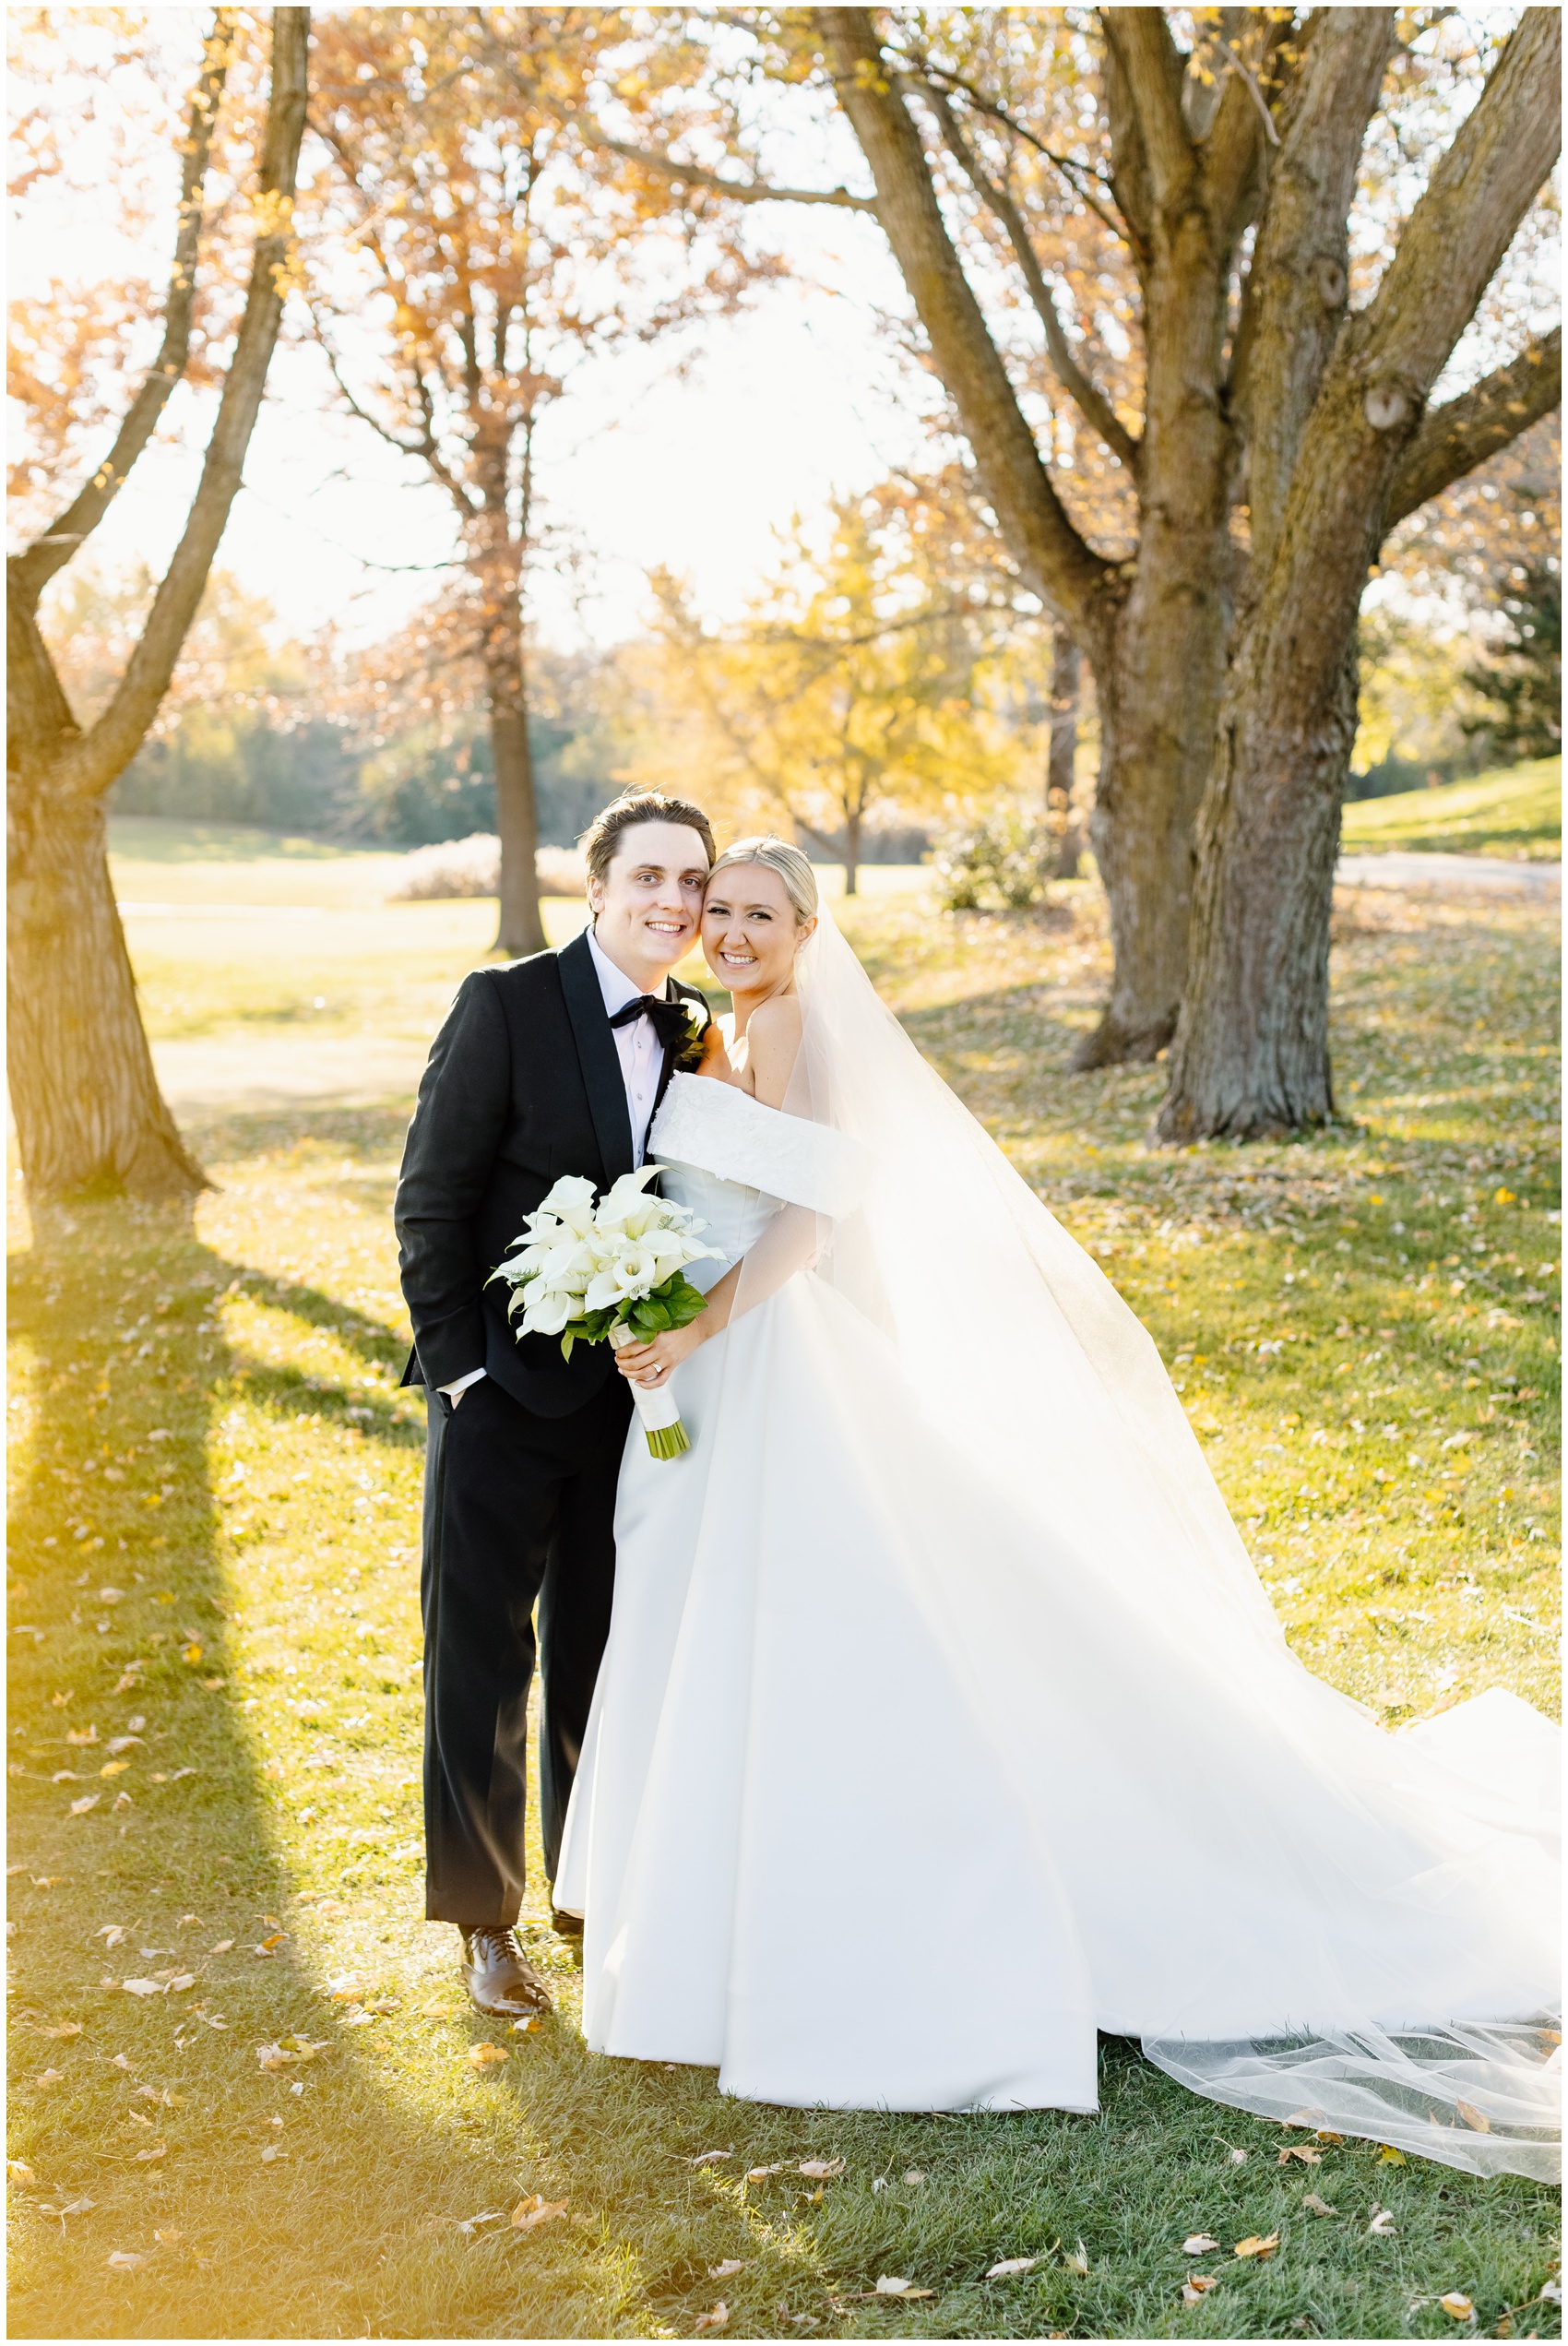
{"x": 565, "y": 1925}
{"x": 501, "y": 1980}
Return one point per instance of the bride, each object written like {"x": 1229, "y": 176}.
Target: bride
{"x": 944, "y": 1721}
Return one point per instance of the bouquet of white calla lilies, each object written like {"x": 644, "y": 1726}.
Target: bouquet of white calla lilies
{"x": 612, "y": 1273}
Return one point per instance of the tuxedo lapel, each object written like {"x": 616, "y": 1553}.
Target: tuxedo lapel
{"x": 598, "y": 1057}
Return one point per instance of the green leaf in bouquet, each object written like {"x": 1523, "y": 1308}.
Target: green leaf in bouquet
{"x": 681, "y": 1300}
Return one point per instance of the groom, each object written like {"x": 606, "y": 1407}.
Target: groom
{"x": 547, "y": 1066}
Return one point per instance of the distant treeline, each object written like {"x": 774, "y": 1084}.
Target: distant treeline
{"x": 236, "y": 767}
{"x": 1429, "y": 715}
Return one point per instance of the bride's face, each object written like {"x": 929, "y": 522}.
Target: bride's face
{"x": 750, "y": 933}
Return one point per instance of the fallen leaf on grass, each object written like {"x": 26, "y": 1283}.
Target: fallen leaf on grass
{"x": 168, "y": 2239}
{"x": 1319, "y": 2207}
{"x": 110, "y": 1934}
{"x": 113, "y": 1767}
{"x": 914, "y": 2175}
{"x": 141, "y": 1987}
{"x": 1236, "y": 2159}
{"x": 1198, "y": 2243}
{"x": 893, "y": 2285}
{"x": 822, "y": 2170}
{"x": 530, "y": 2213}
{"x": 435, "y": 2011}
{"x": 724, "y": 2272}
{"x": 281, "y": 2056}
{"x": 1458, "y": 2305}
{"x": 354, "y": 2019}
{"x": 18, "y": 2171}
{"x": 701, "y": 2158}
{"x": 89, "y": 1800}
{"x": 271, "y": 2150}
{"x": 124, "y": 2260}
{"x": 1195, "y": 2287}
{"x": 1476, "y": 2120}
{"x": 716, "y": 2320}
{"x": 223, "y": 1946}
{"x": 760, "y": 2174}
{"x": 1078, "y": 2263}
{"x": 1256, "y": 2246}
{"x": 1550, "y": 2293}
{"x": 65, "y": 2028}
{"x": 76, "y": 2207}
{"x": 50, "y": 2076}
{"x": 1382, "y": 2221}
{"x": 480, "y": 2057}
{"x": 1389, "y": 2156}
{"x": 1302, "y": 2151}
{"x": 158, "y": 2150}
{"x": 468, "y": 2225}
{"x": 1009, "y": 2265}
{"x": 529, "y": 2025}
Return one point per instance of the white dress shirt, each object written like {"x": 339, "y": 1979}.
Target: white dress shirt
{"x": 638, "y": 1046}
{"x": 642, "y": 1062}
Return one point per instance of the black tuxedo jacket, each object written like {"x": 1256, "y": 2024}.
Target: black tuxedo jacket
{"x": 523, "y": 1085}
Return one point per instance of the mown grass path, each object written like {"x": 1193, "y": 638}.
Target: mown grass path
{"x": 240, "y": 2059}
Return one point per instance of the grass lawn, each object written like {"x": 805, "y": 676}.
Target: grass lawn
{"x": 241, "y": 2062}
{"x": 1515, "y": 812}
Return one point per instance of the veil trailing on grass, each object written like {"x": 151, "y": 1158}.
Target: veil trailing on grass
{"x": 1296, "y": 1912}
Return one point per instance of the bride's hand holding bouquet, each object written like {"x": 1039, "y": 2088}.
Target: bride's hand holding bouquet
{"x": 616, "y": 1273}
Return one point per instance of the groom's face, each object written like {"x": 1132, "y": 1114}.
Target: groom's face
{"x": 647, "y": 907}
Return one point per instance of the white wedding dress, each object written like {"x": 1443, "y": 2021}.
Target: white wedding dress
{"x": 902, "y": 1779}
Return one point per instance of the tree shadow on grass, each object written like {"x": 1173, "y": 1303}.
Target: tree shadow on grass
{"x": 357, "y": 2229}
{"x": 123, "y": 1586}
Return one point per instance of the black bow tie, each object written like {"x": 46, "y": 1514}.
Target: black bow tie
{"x": 669, "y": 1021}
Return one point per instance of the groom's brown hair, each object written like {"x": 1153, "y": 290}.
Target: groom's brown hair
{"x": 599, "y": 841}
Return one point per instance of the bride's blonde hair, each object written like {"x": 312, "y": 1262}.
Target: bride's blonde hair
{"x": 782, "y": 856}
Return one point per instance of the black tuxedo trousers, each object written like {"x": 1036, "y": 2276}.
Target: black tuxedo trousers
{"x": 519, "y": 1510}
{"x": 523, "y": 1086}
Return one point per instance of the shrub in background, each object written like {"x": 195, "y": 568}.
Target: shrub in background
{"x": 993, "y": 861}
{"x": 471, "y": 867}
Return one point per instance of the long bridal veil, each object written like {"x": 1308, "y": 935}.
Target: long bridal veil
{"x": 1418, "y": 1865}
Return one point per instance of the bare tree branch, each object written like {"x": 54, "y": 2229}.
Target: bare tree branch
{"x": 1292, "y": 313}
{"x": 1480, "y": 189}
{"x": 1462, "y": 433}
{"x": 90, "y": 763}
{"x": 31, "y": 571}
{"x": 1075, "y": 173}
{"x": 1095, "y": 405}
{"x": 1057, "y": 562}
{"x": 1151, "y": 67}
{"x": 745, "y": 191}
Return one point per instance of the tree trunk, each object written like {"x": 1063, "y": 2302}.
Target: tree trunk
{"x": 1063, "y": 829}
{"x": 1252, "y": 1057}
{"x": 1252, "y": 1052}
{"x": 852, "y": 851}
{"x": 517, "y": 814}
{"x": 89, "y": 1115}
